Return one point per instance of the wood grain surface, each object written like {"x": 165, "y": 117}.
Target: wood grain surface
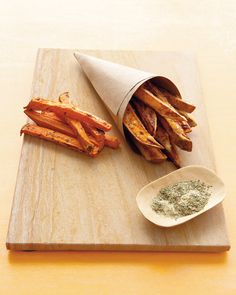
{"x": 66, "y": 201}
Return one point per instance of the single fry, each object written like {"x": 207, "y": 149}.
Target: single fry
{"x": 64, "y": 97}
{"x": 112, "y": 141}
{"x": 160, "y": 106}
{"x": 54, "y": 136}
{"x": 177, "y": 102}
{"x": 49, "y": 120}
{"x": 136, "y": 128}
{"x": 191, "y": 121}
{"x": 163, "y": 137}
{"x": 177, "y": 134}
{"x": 52, "y": 115}
{"x": 69, "y": 111}
{"x": 147, "y": 115}
{"x": 82, "y": 136}
{"x": 150, "y": 153}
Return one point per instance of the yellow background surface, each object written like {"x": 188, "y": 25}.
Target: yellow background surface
{"x": 207, "y": 28}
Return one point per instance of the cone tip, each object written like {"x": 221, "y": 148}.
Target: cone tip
{"x": 76, "y": 55}
{"x": 79, "y": 56}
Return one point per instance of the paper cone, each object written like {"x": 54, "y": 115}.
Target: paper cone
{"x": 116, "y": 84}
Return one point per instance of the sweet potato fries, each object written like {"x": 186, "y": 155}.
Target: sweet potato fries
{"x": 158, "y": 121}
{"x": 65, "y": 124}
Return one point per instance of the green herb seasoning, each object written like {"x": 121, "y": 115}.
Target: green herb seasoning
{"x": 182, "y": 199}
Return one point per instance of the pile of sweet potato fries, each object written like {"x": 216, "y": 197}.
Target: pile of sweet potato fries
{"x": 158, "y": 121}
{"x": 63, "y": 123}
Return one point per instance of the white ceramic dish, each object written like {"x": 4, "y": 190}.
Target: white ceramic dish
{"x": 148, "y": 192}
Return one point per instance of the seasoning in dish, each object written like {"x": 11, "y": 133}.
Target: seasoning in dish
{"x": 182, "y": 199}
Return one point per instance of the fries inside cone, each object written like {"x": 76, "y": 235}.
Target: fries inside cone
{"x": 157, "y": 121}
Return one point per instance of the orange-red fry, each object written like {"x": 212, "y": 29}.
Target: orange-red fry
{"x": 49, "y": 120}
{"x": 82, "y": 136}
{"x": 54, "y": 136}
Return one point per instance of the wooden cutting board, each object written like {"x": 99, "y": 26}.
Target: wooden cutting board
{"x": 66, "y": 201}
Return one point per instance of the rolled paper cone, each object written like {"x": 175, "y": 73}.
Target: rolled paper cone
{"x": 116, "y": 84}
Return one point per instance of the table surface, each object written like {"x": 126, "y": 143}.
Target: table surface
{"x": 207, "y": 28}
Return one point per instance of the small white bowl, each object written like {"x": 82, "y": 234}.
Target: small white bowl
{"x": 148, "y": 192}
